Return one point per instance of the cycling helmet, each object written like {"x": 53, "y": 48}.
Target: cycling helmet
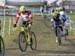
{"x": 22, "y": 8}
{"x": 55, "y": 14}
{"x": 57, "y": 10}
{"x": 60, "y": 8}
{"x": 61, "y": 13}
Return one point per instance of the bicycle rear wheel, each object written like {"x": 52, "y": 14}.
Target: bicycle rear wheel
{"x": 22, "y": 42}
{"x": 33, "y": 41}
{"x": 59, "y": 35}
{"x": 2, "y": 47}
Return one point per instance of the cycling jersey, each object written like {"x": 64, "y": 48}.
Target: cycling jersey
{"x": 57, "y": 20}
{"x": 65, "y": 18}
{"x": 25, "y": 16}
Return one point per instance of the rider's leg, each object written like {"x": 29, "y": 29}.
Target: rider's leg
{"x": 56, "y": 34}
{"x": 61, "y": 27}
{"x": 30, "y": 33}
{"x": 67, "y": 32}
{"x": 29, "y": 30}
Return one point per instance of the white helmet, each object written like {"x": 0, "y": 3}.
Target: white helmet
{"x": 61, "y": 13}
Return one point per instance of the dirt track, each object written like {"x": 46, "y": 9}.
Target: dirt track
{"x": 46, "y": 45}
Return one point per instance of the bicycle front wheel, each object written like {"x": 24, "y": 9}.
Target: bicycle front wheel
{"x": 33, "y": 41}
{"x": 2, "y": 47}
{"x": 22, "y": 42}
{"x": 59, "y": 35}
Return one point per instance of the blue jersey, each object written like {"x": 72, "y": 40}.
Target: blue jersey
{"x": 65, "y": 18}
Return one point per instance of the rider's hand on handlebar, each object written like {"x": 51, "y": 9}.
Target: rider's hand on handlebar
{"x": 14, "y": 25}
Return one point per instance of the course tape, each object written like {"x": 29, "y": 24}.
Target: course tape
{"x": 7, "y": 31}
{"x": 6, "y": 19}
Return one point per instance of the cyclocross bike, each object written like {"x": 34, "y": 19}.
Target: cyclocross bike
{"x": 2, "y": 46}
{"x": 60, "y": 33}
{"x": 25, "y": 40}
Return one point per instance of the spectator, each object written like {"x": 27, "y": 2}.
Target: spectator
{"x": 52, "y": 10}
{"x": 41, "y": 10}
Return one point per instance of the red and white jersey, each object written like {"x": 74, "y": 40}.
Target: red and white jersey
{"x": 25, "y": 16}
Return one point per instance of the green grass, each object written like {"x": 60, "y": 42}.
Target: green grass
{"x": 72, "y": 16}
{"x": 45, "y": 37}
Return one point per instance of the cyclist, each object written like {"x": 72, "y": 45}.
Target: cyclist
{"x": 26, "y": 17}
{"x": 57, "y": 20}
{"x": 60, "y": 17}
{"x": 65, "y": 19}
{"x": 41, "y": 10}
{"x": 56, "y": 11}
{"x": 63, "y": 15}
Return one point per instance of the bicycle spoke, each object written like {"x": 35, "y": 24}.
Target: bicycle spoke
{"x": 33, "y": 42}
{"x": 22, "y": 42}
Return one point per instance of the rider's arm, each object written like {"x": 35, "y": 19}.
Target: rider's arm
{"x": 57, "y": 18}
{"x": 17, "y": 16}
{"x": 30, "y": 16}
{"x": 67, "y": 19}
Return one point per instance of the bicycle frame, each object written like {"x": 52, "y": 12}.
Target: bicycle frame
{"x": 25, "y": 30}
